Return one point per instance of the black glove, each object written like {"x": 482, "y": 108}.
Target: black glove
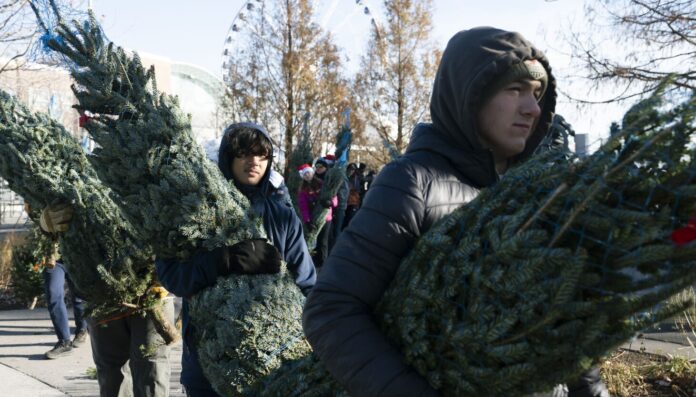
{"x": 255, "y": 256}
{"x": 305, "y": 291}
{"x": 325, "y": 203}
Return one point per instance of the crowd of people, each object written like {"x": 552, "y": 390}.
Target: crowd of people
{"x": 340, "y": 208}
{"x": 491, "y": 106}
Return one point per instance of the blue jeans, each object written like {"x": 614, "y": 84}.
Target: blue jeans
{"x": 54, "y": 286}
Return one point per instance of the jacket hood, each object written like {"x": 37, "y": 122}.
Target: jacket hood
{"x": 225, "y": 160}
{"x": 472, "y": 60}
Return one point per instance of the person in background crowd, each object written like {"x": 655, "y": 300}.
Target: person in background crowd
{"x": 354, "y": 192}
{"x": 367, "y": 181}
{"x": 55, "y": 277}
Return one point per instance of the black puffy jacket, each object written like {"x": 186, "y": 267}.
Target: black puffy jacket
{"x": 443, "y": 168}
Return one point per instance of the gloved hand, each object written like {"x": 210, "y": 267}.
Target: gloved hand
{"x": 325, "y": 203}
{"x": 56, "y": 217}
{"x": 255, "y": 256}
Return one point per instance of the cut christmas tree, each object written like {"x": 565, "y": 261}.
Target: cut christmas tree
{"x": 111, "y": 268}
{"x": 147, "y": 152}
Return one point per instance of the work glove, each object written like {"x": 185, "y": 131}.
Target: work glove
{"x": 156, "y": 290}
{"x": 56, "y": 217}
{"x": 254, "y": 256}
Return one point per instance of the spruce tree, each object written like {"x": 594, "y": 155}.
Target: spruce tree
{"x": 557, "y": 264}
{"x": 111, "y": 268}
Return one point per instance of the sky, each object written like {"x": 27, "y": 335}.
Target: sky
{"x": 195, "y": 31}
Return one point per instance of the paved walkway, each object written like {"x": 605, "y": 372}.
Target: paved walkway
{"x": 25, "y": 335}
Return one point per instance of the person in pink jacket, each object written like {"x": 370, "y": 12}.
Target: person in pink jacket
{"x": 307, "y": 199}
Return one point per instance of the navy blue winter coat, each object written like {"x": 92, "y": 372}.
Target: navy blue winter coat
{"x": 283, "y": 228}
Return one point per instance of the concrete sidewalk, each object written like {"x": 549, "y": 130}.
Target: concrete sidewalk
{"x": 25, "y": 335}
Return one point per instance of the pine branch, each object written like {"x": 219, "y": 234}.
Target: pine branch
{"x": 148, "y": 154}
{"x": 43, "y": 163}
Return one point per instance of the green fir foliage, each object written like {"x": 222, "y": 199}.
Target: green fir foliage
{"x": 43, "y": 163}
{"x": 559, "y": 263}
{"x": 261, "y": 328}
{"x": 305, "y": 377}
{"x": 28, "y": 259}
{"x": 147, "y": 152}
{"x": 334, "y": 178}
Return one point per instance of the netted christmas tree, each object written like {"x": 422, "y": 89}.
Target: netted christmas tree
{"x": 29, "y": 257}
{"x": 539, "y": 276}
{"x": 111, "y": 268}
{"x": 147, "y": 152}
{"x": 181, "y": 203}
{"x": 254, "y": 329}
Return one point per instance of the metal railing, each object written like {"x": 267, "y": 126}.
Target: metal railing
{"x": 11, "y": 208}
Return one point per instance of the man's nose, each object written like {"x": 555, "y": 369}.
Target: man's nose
{"x": 531, "y": 107}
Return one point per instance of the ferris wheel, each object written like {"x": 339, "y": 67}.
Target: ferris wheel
{"x": 329, "y": 14}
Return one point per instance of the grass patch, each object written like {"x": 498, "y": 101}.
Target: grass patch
{"x": 91, "y": 373}
{"x": 635, "y": 374}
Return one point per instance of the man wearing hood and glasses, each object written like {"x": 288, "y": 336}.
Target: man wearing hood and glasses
{"x": 245, "y": 157}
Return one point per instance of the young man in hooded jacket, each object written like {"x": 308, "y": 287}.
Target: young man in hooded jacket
{"x": 245, "y": 157}
{"x": 492, "y": 102}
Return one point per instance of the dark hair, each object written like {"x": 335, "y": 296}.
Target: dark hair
{"x": 248, "y": 141}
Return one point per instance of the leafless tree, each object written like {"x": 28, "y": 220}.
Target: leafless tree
{"x": 17, "y": 31}
{"x": 631, "y": 45}
{"x": 284, "y": 66}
